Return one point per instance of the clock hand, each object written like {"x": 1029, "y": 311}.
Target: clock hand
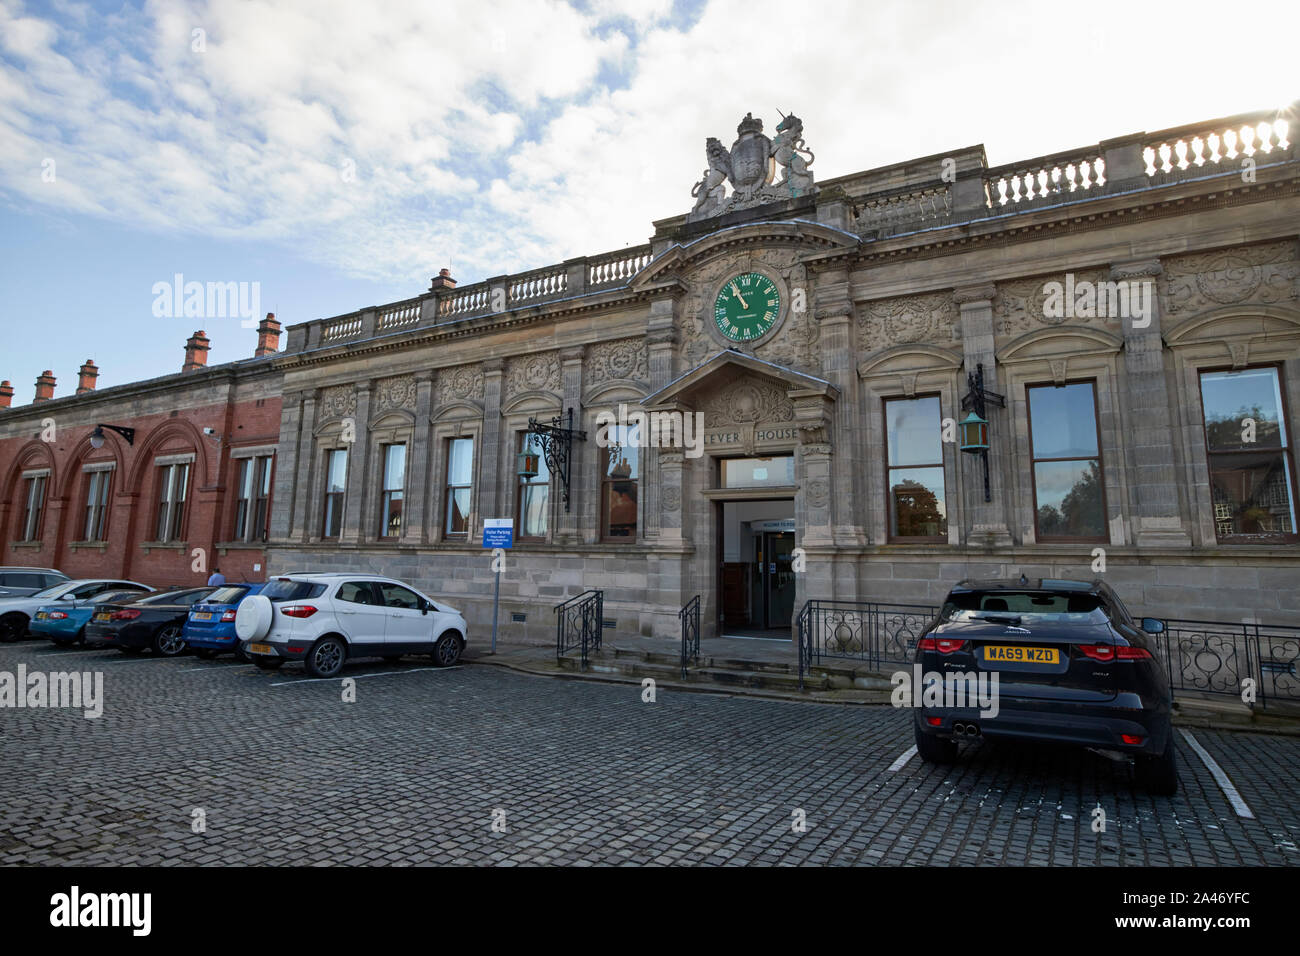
{"x": 743, "y": 303}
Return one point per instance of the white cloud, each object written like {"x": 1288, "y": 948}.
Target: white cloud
{"x": 483, "y": 136}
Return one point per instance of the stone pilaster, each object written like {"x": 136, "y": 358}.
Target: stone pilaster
{"x": 660, "y": 338}
{"x": 671, "y": 493}
{"x": 357, "y": 500}
{"x": 289, "y": 519}
{"x": 987, "y": 523}
{"x": 421, "y": 481}
{"x": 1158, "y": 521}
{"x": 836, "y": 316}
{"x": 493, "y": 483}
{"x": 580, "y": 458}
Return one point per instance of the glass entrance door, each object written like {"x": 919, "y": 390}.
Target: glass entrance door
{"x": 778, "y": 578}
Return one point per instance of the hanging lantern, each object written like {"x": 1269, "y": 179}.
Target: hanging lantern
{"x": 974, "y": 434}
{"x": 528, "y": 463}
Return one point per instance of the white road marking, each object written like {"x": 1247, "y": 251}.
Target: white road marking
{"x": 901, "y": 762}
{"x": 317, "y": 680}
{"x": 214, "y": 664}
{"x": 1221, "y": 778}
{"x": 62, "y": 653}
{"x": 140, "y": 660}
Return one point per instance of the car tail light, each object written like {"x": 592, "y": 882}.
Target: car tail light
{"x": 1112, "y": 652}
{"x": 1132, "y": 739}
{"x": 126, "y": 614}
{"x": 944, "y": 645}
{"x": 227, "y": 617}
{"x": 934, "y": 721}
{"x": 298, "y": 610}
{"x": 58, "y": 615}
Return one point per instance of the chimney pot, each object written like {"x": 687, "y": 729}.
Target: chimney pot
{"x": 268, "y": 336}
{"x": 86, "y": 383}
{"x": 6, "y": 394}
{"x": 442, "y": 280}
{"x": 196, "y": 352}
{"x": 44, "y": 387}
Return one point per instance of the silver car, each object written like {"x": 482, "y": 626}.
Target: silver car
{"x": 20, "y": 582}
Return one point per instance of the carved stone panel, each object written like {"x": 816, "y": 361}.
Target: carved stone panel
{"x": 1019, "y": 305}
{"x": 533, "y": 373}
{"x": 747, "y": 400}
{"x": 623, "y": 360}
{"x": 338, "y": 401}
{"x": 395, "y": 392}
{"x": 1263, "y": 275}
{"x": 929, "y": 317}
{"x": 462, "y": 383}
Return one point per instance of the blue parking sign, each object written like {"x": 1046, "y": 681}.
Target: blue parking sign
{"x": 498, "y": 533}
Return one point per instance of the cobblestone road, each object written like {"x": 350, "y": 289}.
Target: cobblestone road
{"x": 416, "y": 770}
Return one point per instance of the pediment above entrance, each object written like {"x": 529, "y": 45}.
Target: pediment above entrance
{"x": 739, "y": 388}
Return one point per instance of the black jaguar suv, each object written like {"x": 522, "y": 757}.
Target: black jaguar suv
{"x": 1056, "y": 661}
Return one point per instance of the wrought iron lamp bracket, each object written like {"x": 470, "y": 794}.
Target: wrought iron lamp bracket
{"x": 557, "y": 447}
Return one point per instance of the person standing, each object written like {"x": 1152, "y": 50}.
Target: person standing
{"x": 216, "y": 579}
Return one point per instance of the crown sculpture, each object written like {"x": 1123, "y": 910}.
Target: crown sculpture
{"x": 751, "y": 165}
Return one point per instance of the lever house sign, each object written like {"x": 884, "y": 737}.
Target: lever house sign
{"x": 822, "y": 334}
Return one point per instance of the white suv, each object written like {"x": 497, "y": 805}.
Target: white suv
{"x": 324, "y": 619}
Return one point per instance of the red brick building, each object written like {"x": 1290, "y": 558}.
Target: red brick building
{"x": 158, "y": 481}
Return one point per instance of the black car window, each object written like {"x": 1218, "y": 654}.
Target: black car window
{"x": 47, "y": 580}
{"x": 287, "y": 589}
{"x": 357, "y": 592}
{"x": 397, "y": 596}
{"x": 162, "y": 597}
{"x": 1060, "y": 607}
{"x": 19, "y": 579}
{"x": 88, "y": 590}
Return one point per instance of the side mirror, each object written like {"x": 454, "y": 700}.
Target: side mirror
{"x": 1153, "y": 625}
{"x": 424, "y": 606}
{"x": 67, "y": 597}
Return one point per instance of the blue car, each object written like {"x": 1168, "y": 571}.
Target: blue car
{"x": 210, "y": 626}
{"x": 65, "y": 622}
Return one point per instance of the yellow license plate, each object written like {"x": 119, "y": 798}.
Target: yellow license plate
{"x": 101, "y": 616}
{"x": 1020, "y": 655}
{"x": 260, "y": 649}
{"x": 205, "y": 616}
{"x": 41, "y": 615}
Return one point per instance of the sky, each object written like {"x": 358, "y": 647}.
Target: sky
{"x": 330, "y": 155}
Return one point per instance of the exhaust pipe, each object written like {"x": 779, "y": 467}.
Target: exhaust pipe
{"x": 959, "y": 730}
{"x": 965, "y": 730}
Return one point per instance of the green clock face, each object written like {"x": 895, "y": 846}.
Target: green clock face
{"x": 747, "y": 306}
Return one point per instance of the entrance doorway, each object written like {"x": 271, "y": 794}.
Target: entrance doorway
{"x": 756, "y": 583}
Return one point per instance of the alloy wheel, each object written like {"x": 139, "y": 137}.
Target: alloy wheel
{"x": 169, "y": 642}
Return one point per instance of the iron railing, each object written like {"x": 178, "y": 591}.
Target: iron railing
{"x": 578, "y": 624}
{"x": 1255, "y": 663}
{"x": 690, "y": 618}
{"x": 876, "y": 634}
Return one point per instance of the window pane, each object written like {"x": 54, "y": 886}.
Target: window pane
{"x": 757, "y": 472}
{"x": 266, "y": 475}
{"x": 1064, "y": 421}
{"x": 458, "y": 511}
{"x": 394, "y": 467}
{"x": 333, "y": 515}
{"x": 623, "y": 458}
{"x": 336, "y": 471}
{"x": 1229, "y": 397}
{"x": 246, "y": 478}
{"x": 1069, "y": 499}
{"x": 397, "y": 596}
{"x": 1252, "y": 494}
{"x": 535, "y": 498}
{"x": 460, "y": 461}
{"x": 533, "y": 443}
{"x": 620, "y": 508}
{"x": 916, "y": 502}
{"x": 914, "y": 431}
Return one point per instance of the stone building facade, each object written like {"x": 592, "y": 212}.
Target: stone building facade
{"x": 1134, "y": 302}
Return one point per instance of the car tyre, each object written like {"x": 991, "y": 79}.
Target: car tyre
{"x": 446, "y": 651}
{"x": 326, "y": 657}
{"x": 935, "y": 749}
{"x": 12, "y": 627}
{"x": 1158, "y": 774}
{"x": 168, "y": 641}
{"x": 268, "y": 663}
